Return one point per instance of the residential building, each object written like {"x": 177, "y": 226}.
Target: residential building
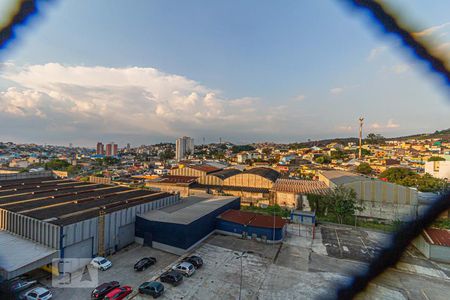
{"x": 100, "y": 149}
{"x": 438, "y": 169}
{"x": 111, "y": 149}
{"x": 184, "y": 147}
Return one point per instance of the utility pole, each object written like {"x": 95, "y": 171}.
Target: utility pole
{"x": 361, "y": 122}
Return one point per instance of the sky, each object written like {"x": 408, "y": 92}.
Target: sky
{"x": 144, "y": 71}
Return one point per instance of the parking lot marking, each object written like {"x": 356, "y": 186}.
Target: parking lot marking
{"x": 424, "y": 294}
{"x": 364, "y": 244}
{"x": 339, "y": 242}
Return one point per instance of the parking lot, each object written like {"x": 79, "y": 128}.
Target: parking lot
{"x": 299, "y": 268}
{"x": 122, "y": 271}
{"x": 349, "y": 243}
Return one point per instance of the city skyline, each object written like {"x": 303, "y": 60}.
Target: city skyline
{"x": 238, "y": 78}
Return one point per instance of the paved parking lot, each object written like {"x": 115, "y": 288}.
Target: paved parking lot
{"x": 348, "y": 243}
{"x": 122, "y": 271}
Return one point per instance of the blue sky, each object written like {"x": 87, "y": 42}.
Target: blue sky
{"x": 241, "y": 70}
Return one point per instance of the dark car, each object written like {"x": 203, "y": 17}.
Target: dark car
{"x": 197, "y": 261}
{"x": 172, "y": 277}
{"x": 144, "y": 263}
{"x": 103, "y": 289}
{"x": 152, "y": 288}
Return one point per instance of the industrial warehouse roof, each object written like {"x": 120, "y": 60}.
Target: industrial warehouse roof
{"x": 66, "y": 201}
{"x": 189, "y": 209}
{"x": 223, "y": 174}
{"x": 19, "y": 255}
{"x": 248, "y": 189}
{"x": 267, "y": 173}
{"x": 204, "y": 168}
{"x": 252, "y": 219}
{"x": 343, "y": 177}
{"x": 437, "y": 236}
{"x": 174, "y": 179}
{"x": 300, "y": 186}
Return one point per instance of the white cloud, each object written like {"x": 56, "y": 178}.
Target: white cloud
{"x": 126, "y": 100}
{"x": 392, "y": 124}
{"x": 345, "y": 128}
{"x": 389, "y": 125}
{"x": 375, "y": 52}
{"x": 336, "y": 90}
{"x": 299, "y": 97}
{"x": 430, "y": 30}
{"x": 400, "y": 68}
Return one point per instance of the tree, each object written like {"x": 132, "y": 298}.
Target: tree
{"x": 436, "y": 158}
{"x": 325, "y": 159}
{"x": 373, "y": 139}
{"x": 166, "y": 155}
{"x": 364, "y": 168}
{"x": 338, "y": 154}
{"x": 341, "y": 202}
{"x": 396, "y": 174}
{"x": 267, "y": 151}
{"x": 57, "y": 164}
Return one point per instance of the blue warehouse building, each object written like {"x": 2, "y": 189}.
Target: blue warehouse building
{"x": 180, "y": 227}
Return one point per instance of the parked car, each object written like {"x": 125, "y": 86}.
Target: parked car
{"x": 119, "y": 293}
{"x": 185, "y": 268}
{"x": 144, "y": 263}
{"x": 152, "y": 288}
{"x": 103, "y": 289}
{"x": 172, "y": 277}
{"x": 17, "y": 285}
{"x": 39, "y": 293}
{"x": 197, "y": 261}
{"x": 101, "y": 263}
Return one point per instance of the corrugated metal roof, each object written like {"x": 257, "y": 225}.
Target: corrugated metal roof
{"x": 437, "y": 236}
{"x": 267, "y": 173}
{"x": 342, "y": 177}
{"x": 223, "y": 174}
{"x": 298, "y": 186}
{"x": 252, "y": 219}
{"x": 267, "y": 221}
{"x": 237, "y": 216}
{"x": 204, "y": 168}
{"x": 174, "y": 179}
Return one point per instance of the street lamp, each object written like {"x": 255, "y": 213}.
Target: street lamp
{"x": 240, "y": 256}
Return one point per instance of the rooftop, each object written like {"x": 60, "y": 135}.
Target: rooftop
{"x": 300, "y": 186}
{"x": 223, "y": 174}
{"x": 252, "y": 219}
{"x": 267, "y": 173}
{"x": 189, "y": 209}
{"x": 66, "y": 201}
{"x": 174, "y": 179}
{"x": 204, "y": 168}
{"x": 437, "y": 236}
{"x": 342, "y": 177}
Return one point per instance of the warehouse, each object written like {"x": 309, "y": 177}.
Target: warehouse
{"x": 380, "y": 199}
{"x": 194, "y": 170}
{"x": 434, "y": 243}
{"x": 217, "y": 178}
{"x": 69, "y": 219}
{"x": 180, "y": 227}
{"x": 270, "y": 229}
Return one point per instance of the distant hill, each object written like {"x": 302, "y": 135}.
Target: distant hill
{"x": 438, "y": 134}
{"x": 444, "y": 135}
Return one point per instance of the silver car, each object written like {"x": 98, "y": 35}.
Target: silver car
{"x": 185, "y": 268}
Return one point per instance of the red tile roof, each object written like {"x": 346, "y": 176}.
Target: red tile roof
{"x": 300, "y": 186}
{"x": 437, "y": 236}
{"x": 252, "y": 219}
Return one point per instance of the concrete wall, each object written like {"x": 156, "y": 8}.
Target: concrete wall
{"x": 438, "y": 169}
{"x": 186, "y": 171}
{"x": 170, "y": 188}
{"x": 210, "y": 180}
{"x": 433, "y": 252}
{"x": 385, "y": 200}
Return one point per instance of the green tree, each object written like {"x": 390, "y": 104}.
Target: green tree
{"x": 406, "y": 177}
{"x": 57, "y": 164}
{"x": 325, "y": 159}
{"x": 166, "y": 155}
{"x": 436, "y": 158}
{"x": 341, "y": 202}
{"x": 373, "y": 139}
{"x": 364, "y": 168}
{"x": 396, "y": 174}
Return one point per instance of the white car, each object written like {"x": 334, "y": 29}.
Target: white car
{"x": 101, "y": 263}
{"x": 185, "y": 268}
{"x": 39, "y": 293}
